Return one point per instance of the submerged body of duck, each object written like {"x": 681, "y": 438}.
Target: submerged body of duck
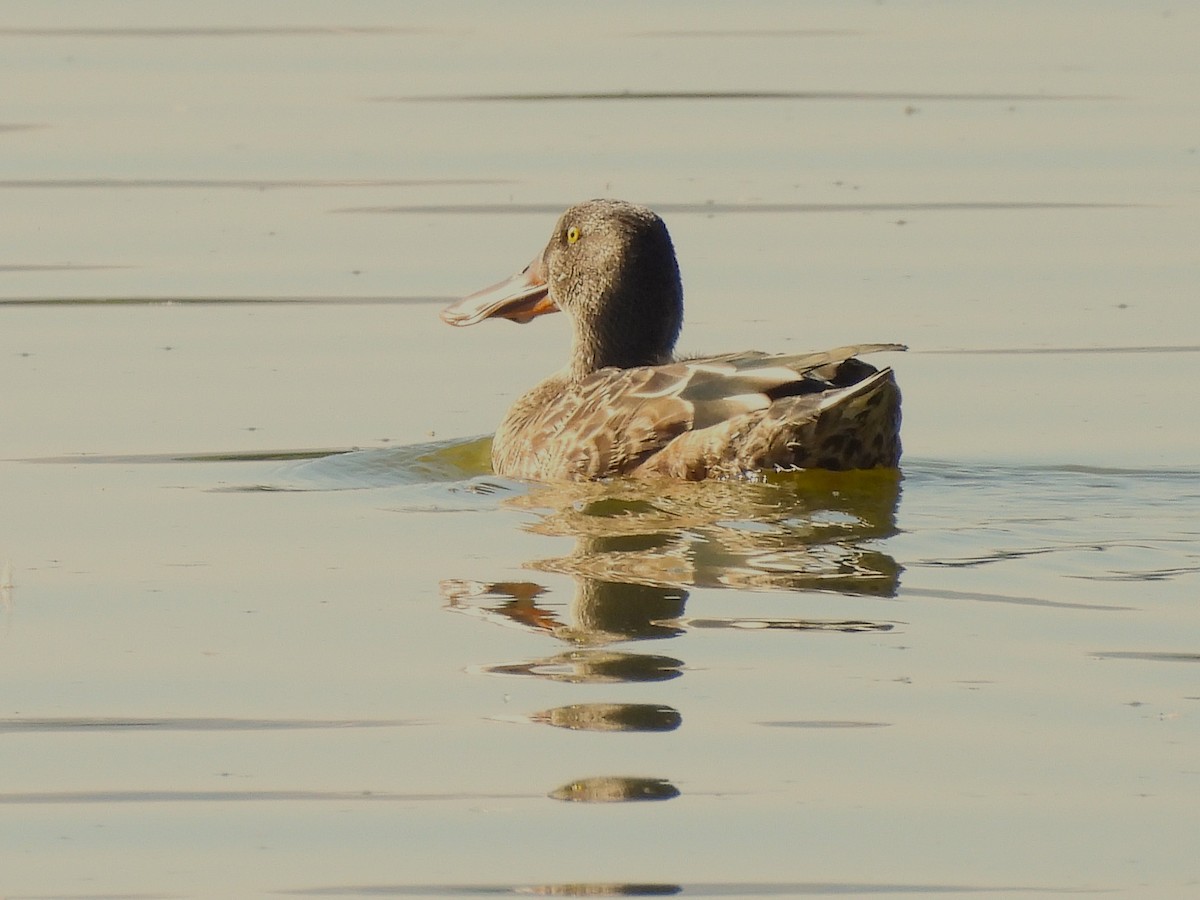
{"x": 626, "y": 406}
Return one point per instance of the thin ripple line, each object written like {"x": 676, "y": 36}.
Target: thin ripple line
{"x": 282, "y": 299}
{"x": 64, "y": 267}
{"x": 888, "y": 96}
{"x": 1006, "y": 351}
{"x": 59, "y": 797}
{"x": 95, "y": 724}
{"x": 254, "y": 184}
{"x": 690, "y": 889}
{"x": 714, "y": 208}
{"x": 235, "y": 31}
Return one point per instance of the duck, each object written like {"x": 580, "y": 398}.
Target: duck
{"x": 626, "y": 406}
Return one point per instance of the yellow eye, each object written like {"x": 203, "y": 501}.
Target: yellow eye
{"x": 572, "y": 234}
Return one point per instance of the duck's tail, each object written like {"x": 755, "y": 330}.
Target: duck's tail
{"x": 852, "y": 427}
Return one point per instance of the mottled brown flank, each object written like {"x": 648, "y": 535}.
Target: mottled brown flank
{"x": 706, "y": 418}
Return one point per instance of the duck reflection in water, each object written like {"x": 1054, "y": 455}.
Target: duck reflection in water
{"x": 640, "y": 547}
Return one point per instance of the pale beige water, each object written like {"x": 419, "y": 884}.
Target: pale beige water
{"x": 232, "y": 664}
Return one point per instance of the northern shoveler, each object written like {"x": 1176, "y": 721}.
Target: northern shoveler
{"x": 626, "y": 406}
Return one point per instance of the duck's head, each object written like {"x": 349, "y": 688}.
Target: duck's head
{"x": 611, "y": 268}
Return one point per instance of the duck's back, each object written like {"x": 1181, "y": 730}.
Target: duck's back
{"x": 719, "y": 416}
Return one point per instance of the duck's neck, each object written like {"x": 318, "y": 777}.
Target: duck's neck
{"x": 628, "y": 327}
{"x": 623, "y": 344}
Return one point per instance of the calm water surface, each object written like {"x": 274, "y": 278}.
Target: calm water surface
{"x": 268, "y": 624}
